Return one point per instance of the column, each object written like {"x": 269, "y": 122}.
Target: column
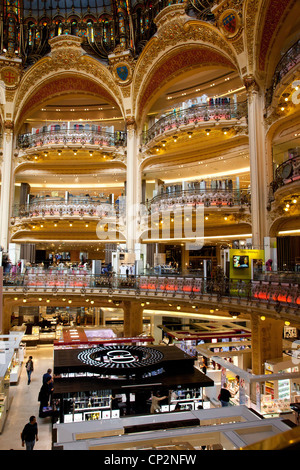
{"x": 7, "y": 184}
{"x": 1, "y": 300}
{"x": 133, "y": 318}
{"x": 258, "y": 167}
{"x": 133, "y": 187}
{"x": 266, "y": 341}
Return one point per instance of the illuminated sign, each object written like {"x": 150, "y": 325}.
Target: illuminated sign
{"x": 120, "y": 357}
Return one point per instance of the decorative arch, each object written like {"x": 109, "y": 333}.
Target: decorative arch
{"x": 66, "y": 69}
{"x": 172, "y": 65}
{"x": 274, "y": 13}
{"x": 176, "y": 36}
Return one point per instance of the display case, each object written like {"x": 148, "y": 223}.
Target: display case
{"x": 281, "y": 389}
{"x": 87, "y": 408}
{"x": 16, "y": 364}
{"x": 271, "y": 408}
{"x": 188, "y": 399}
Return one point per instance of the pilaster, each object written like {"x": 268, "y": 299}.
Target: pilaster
{"x": 266, "y": 341}
{"x": 133, "y": 182}
{"x": 133, "y": 319}
{"x": 6, "y": 183}
{"x": 258, "y": 169}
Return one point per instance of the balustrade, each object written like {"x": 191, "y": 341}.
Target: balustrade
{"x": 72, "y": 136}
{"x": 288, "y": 61}
{"x": 194, "y": 115}
{"x": 207, "y": 197}
{"x": 75, "y": 207}
{"x": 178, "y": 287}
{"x": 287, "y": 172}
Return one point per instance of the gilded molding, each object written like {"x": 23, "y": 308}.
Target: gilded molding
{"x": 65, "y": 58}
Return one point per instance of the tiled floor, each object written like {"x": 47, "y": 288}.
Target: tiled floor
{"x": 25, "y": 403}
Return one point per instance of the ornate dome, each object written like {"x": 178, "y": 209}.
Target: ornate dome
{"x": 102, "y": 24}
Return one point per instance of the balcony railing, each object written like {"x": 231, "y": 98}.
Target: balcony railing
{"x": 278, "y": 294}
{"x": 208, "y": 197}
{"x": 194, "y": 115}
{"x": 75, "y": 207}
{"x": 72, "y": 136}
{"x": 287, "y": 172}
{"x": 288, "y": 61}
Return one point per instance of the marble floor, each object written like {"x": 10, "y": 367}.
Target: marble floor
{"x": 24, "y": 403}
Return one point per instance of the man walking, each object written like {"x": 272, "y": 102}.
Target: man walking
{"x": 30, "y": 433}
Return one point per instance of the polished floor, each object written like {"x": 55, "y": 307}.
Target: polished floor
{"x": 24, "y": 403}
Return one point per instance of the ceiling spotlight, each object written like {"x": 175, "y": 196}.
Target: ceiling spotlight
{"x": 46, "y": 154}
{"x": 59, "y": 152}
{"x": 225, "y": 217}
{"x": 225, "y": 130}
{"x": 164, "y": 143}
{"x": 75, "y": 152}
{"x": 287, "y": 323}
{"x": 178, "y": 307}
{"x": 143, "y": 304}
{"x": 175, "y": 138}
{"x": 91, "y": 152}
{"x": 190, "y": 135}
{"x": 262, "y": 318}
{"x": 207, "y": 131}
{"x": 294, "y": 200}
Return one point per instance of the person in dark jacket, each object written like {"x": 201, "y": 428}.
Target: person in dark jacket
{"x": 44, "y": 395}
{"x": 29, "y": 435}
{"x": 224, "y": 396}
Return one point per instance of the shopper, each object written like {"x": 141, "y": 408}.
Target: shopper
{"x": 47, "y": 376}
{"x": 43, "y": 397}
{"x": 29, "y": 435}
{"x": 155, "y": 402}
{"x": 224, "y": 395}
{"x": 29, "y": 368}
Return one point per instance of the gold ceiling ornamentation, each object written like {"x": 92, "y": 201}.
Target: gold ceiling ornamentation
{"x": 66, "y": 57}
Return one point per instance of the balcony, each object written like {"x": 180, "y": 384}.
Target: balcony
{"x": 223, "y": 293}
{"x": 286, "y": 64}
{"x": 217, "y": 198}
{"x": 196, "y": 116}
{"x": 79, "y": 206}
{"x": 287, "y": 173}
{"x": 84, "y": 136}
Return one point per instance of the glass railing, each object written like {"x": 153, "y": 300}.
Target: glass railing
{"x": 180, "y": 287}
{"x": 194, "y": 115}
{"x": 72, "y": 136}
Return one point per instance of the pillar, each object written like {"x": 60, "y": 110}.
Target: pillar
{"x": 258, "y": 164}
{"x": 133, "y": 318}
{"x": 1, "y": 299}
{"x": 266, "y": 341}
{"x": 7, "y": 184}
{"x": 133, "y": 189}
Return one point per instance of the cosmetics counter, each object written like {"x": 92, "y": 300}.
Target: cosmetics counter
{"x": 109, "y": 381}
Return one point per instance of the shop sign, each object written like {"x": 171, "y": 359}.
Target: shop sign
{"x": 120, "y": 357}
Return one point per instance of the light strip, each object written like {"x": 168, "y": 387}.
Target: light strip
{"x": 185, "y": 314}
{"x": 212, "y": 175}
{"x": 75, "y": 186}
{"x": 284, "y": 232}
{"x": 216, "y": 237}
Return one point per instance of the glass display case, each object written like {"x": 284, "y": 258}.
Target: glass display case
{"x": 81, "y": 407}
